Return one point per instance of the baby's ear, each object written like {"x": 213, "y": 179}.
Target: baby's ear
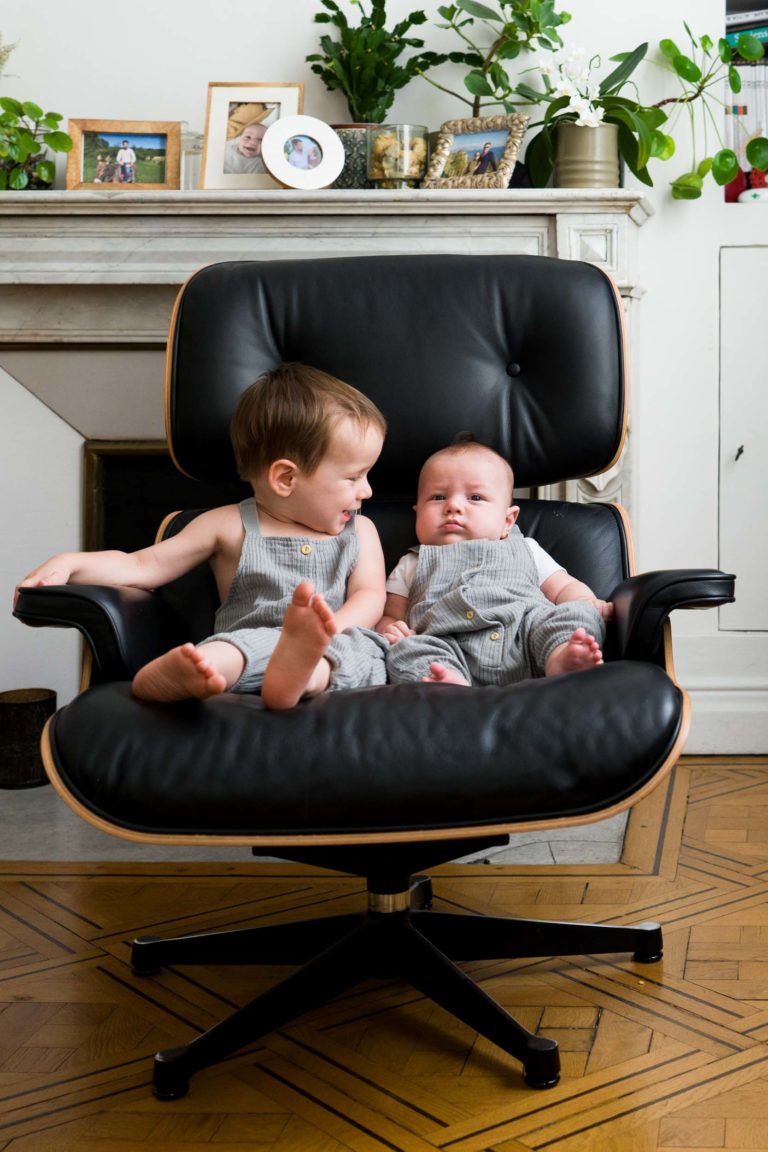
{"x": 512, "y": 514}
{"x": 281, "y": 476}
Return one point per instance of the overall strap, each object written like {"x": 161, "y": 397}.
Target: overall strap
{"x": 250, "y": 516}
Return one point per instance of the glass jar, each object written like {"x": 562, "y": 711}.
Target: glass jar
{"x": 397, "y": 155}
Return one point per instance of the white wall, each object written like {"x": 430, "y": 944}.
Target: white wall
{"x": 147, "y": 60}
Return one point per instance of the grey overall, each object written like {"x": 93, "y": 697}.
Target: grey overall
{"x": 269, "y": 569}
{"x": 477, "y": 608}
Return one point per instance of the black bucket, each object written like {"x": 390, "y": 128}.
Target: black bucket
{"x": 23, "y": 713}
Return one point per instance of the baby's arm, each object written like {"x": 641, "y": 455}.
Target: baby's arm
{"x": 365, "y": 588}
{"x": 393, "y": 625}
{"x": 561, "y": 587}
{"x": 148, "y": 568}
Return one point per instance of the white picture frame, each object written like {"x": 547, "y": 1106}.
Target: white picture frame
{"x": 302, "y": 152}
{"x": 232, "y": 111}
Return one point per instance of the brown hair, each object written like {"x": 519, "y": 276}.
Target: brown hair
{"x": 466, "y": 442}
{"x": 290, "y": 412}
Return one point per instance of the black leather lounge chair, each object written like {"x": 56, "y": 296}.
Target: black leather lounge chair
{"x": 529, "y": 354}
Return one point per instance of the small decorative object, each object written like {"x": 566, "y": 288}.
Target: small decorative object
{"x": 237, "y": 120}
{"x": 23, "y": 714}
{"x": 27, "y": 133}
{"x": 302, "y": 152}
{"x": 364, "y": 63}
{"x": 191, "y": 156}
{"x": 586, "y": 157}
{"x": 397, "y": 155}
{"x": 354, "y": 138}
{"x": 476, "y": 153}
{"x": 123, "y": 155}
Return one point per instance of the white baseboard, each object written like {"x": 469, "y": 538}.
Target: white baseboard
{"x": 728, "y": 723}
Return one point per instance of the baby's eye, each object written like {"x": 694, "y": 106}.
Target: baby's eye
{"x": 476, "y": 496}
{"x": 437, "y": 496}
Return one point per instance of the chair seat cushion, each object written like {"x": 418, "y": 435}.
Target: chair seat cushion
{"x": 398, "y": 758}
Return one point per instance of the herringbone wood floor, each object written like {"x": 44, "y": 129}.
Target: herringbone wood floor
{"x": 656, "y": 1058}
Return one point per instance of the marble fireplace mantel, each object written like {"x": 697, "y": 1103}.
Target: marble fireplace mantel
{"x": 103, "y": 267}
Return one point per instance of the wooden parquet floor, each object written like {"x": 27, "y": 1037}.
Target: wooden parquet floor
{"x": 669, "y": 1057}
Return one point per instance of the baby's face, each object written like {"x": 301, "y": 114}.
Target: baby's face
{"x": 464, "y": 495}
{"x": 250, "y": 141}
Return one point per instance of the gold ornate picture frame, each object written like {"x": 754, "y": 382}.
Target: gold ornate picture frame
{"x": 124, "y": 155}
{"x": 476, "y": 153}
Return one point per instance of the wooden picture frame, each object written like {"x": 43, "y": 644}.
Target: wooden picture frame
{"x": 93, "y": 162}
{"x": 237, "y": 117}
{"x": 302, "y": 152}
{"x": 476, "y": 153}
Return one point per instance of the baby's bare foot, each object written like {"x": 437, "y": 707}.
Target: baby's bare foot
{"x": 439, "y": 674}
{"x": 296, "y": 667}
{"x": 581, "y": 651}
{"x": 181, "y": 674}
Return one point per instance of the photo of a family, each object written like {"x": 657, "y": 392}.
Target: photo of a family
{"x": 303, "y": 152}
{"x": 112, "y": 158}
{"x": 474, "y": 154}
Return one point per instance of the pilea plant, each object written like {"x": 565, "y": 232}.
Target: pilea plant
{"x": 26, "y": 135}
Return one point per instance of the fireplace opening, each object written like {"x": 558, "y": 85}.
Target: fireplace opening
{"x": 130, "y": 486}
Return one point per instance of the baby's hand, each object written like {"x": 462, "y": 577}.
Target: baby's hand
{"x": 395, "y": 630}
{"x": 605, "y": 608}
{"x": 54, "y": 571}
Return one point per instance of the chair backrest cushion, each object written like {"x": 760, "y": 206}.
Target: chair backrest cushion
{"x": 526, "y": 352}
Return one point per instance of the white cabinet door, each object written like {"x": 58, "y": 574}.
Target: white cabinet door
{"x": 744, "y": 435}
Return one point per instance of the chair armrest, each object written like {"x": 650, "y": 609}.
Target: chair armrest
{"x": 643, "y": 603}
{"x": 124, "y": 627}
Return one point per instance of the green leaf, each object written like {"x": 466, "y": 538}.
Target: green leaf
{"x": 734, "y": 79}
{"x": 669, "y": 49}
{"x": 686, "y": 68}
{"x": 539, "y": 159}
{"x": 477, "y": 84}
{"x": 8, "y": 104}
{"x": 687, "y": 187}
{"x": 706, "y": 44}
{"x": 725, "y": 166}
{"x": 18, "y": 179}
{"x": 479, "y": 10}
{"x": 662, "y": 146}
{"x": 757, "y": 153}
{"x": 58, "y": 141}
{"x": 33, "y": 111}
{"x": 724, "y": 50}
{"x": 621, "y": 74}
{"x": 749, "y": 47}
{"x": 46, "y": 171}
{"x": 3, "y": 179}
{"x": 707, "y": 164}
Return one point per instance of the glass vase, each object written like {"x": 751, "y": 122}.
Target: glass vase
{"x": 397, "y": 155}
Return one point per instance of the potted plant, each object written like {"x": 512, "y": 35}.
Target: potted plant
{"x": 517, "y": 26}
{"x": 364, "y": 62}
{"x": 572, "y": 96}
{"x": 26, "y": 135}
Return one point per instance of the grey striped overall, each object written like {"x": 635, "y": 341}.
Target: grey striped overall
{"x": 477, "y": 608}
{"x": 269, "y": 569}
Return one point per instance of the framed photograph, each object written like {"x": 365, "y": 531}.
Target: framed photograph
{"x": 476, "y": 153}
{"x": 124, "y": 154}
{"x": 302, "y": 152}
{"x": 236, "y": 121}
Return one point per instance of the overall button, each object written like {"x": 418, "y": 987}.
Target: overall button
{"x": 494, "y": 636}
{"x": 470, "y": 615}
{"x": 305, "y": 549}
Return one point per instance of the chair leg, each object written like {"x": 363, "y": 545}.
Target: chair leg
{"x": 291, "y": 943}
{"x": 431, "y": 972}
{"x": 468, "y": 937}
{"x": 335, "y": 970}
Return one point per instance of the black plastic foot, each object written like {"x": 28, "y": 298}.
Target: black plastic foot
{"x": 650, "y": 944}
{"x": 169, "y": 1082}
{"x": 541, "y": 1065}
{"x": 140, "y": 962}
{"x": 421, "y": 893}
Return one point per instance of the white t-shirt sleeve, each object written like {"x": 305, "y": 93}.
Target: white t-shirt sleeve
{"x": 546, "y": 566}
{"x": 401, "y": 577}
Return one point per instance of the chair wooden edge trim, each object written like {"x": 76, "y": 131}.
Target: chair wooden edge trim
{"x": 628, "y": 536}
{"x": 168, "y": 358}
{"x": 315, "y": 840}
{"x": 625, "y": 362}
